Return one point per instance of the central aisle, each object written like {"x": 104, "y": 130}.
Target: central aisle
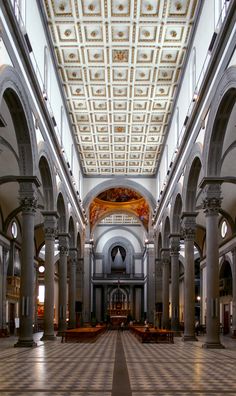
{"x": 117, "y": 364}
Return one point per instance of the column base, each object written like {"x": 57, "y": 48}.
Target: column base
{"x": 234, "y": 334}
{"x": 25, "y": 344}
{"x": 60, "y": 333}
{"x": 213, "y": 345}
{"x": 186, "y": 338}
{"x": 177, "y": 333}
{"x": 48, "y": 337}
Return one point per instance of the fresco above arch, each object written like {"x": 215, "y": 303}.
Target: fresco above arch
{"x": 119, "y": 200}
{"x": 119, "y": 195}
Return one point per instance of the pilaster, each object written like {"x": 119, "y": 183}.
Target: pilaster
{"x": 189, "y": 231}
{"x": 174, "y": 257}
{"x": 64, "y": 250}
{"x": 50, "y": 232}
{"x": 165, "y": 257}
{"x": 211, "y": 205}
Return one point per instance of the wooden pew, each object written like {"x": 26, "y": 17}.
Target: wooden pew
{"x": 153, "y": 335}
{"x": 83, "y": 334}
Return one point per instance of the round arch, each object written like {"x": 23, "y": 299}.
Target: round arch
{"x": 61, "y": 209}
{"x": 15, "y": 95}
{"x": 71, "y": 229}
{"x": 176, "y": 210}
{"x": 191, "y": 178}
{"x": 119, "y": 182}
{"x": 221, "y": 108}
{"x": 111, "y": 243}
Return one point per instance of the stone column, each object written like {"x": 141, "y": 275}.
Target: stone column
{"x": 50, "y": 229}
{"x": 87, "y": 282}
{"x": 158, "y": 293}
{"x": 64, "y": 249}
{"x": 150, "y": 281}
{"x": 105, "y": 302}
{"x": 234, "y": 293}
{"x": 189, "y": 231}
{"x": 131, "y": 301}
{"x": 211, "y": 204}
{"x": 165, "y": 255}
{"x": 174, "y": 257}
{"x": 79, "y": 279}
{"x": 28, "y": 203}
{"x": 72, "y": 287}
{"x": 3, "y": 288}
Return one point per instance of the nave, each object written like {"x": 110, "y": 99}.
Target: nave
{"x": 117, "y": 365}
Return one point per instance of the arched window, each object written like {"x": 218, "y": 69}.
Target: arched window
{"x": 20, "y": 12}
{"x": 177, "y": 126}
{"x": 46, "y": 70}
{"x": 192, "y": 74}
{"x": 219, "y": 12}
{"x": 62, "y": 124}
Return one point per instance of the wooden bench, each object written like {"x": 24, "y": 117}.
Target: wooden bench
{"x": 83, "y": 334}
{"x": 153, "y": 335}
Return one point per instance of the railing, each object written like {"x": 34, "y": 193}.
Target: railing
{"x": 99, "y": 276}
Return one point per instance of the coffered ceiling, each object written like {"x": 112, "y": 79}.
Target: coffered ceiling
{"x": 119, "y": 63}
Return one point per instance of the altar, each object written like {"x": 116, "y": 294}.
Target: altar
{"x": 116, "y": 320}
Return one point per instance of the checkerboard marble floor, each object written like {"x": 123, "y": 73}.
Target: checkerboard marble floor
{"x": 87, "y": 369}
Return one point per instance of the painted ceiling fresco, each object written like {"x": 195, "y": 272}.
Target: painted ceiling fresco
{"x": 119, "y": 200}
{"x": 119, "y": 195}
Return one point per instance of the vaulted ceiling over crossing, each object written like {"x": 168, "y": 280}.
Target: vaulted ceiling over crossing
{"x": 119, "y": 63}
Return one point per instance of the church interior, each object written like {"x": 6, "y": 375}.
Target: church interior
{"x": 117, "y": 197}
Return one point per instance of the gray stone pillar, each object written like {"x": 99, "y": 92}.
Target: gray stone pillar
{"x": 165, "y": 255}
{"x": 64, "y": 249}
{"x": 105, "y": 307}
{"x": 87, "y": 282}
{"x": 50, "y": 229}
{"x": 79, "y": 279}
{"x": 189, "y": 231}
{"x": 131, "y": 301}
{"x": 150, "y": 281}
{"x": 234, "y": 293}
{"x": 28, "y": 203}
{"x": 174, "y": 257}
{"x": 3, "y": 288}
{"x": 211, "y": 204}
{"x": 72, "y": 287}
{"x": 158, "y": 293}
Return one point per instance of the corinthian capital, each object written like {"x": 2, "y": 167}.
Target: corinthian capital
{"x": 50, "y": 224}
{"x": 189, "y": 226}
{"x": 211, "y": 196}
{"x": 174, "y": 244}
{"x": 28, "y": 204}
{"x": 63, "y": 243}
{"x": 165, "y": 256}
{"x": 50, "y": 232}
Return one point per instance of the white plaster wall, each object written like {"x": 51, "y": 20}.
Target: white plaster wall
{"x": 98, "y": 266}
{"x": 138, "y": 266}
{"x": 201, "y": 42}
{"x": 38, "y": 42}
